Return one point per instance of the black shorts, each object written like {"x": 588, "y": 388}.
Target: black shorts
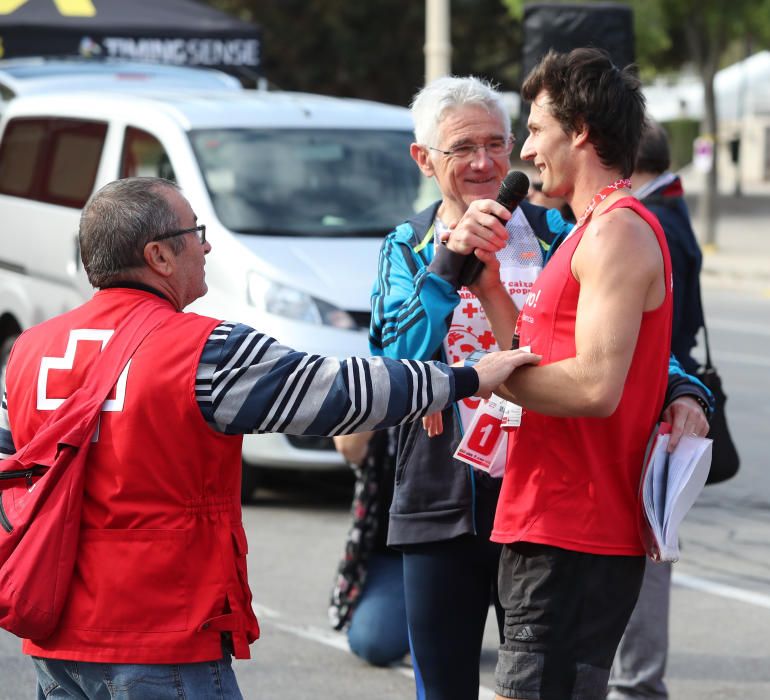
{"x": 565, "y": 613}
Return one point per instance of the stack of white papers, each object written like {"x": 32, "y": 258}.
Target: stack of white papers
{"x": 670, "y": 484}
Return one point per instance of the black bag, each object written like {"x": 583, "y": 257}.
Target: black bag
{"x": 724, "y": 457}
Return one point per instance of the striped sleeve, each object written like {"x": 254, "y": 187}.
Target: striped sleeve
{"x": 247, "y": 382}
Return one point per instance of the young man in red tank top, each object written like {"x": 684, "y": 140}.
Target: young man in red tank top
{"x": 600, "y": 316}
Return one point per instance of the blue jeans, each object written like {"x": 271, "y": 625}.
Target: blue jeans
{"x": 57, "y": 680}
{"x": 378, "y": 632}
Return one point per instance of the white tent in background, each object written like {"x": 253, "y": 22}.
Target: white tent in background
{"x": 683, "y": 99}
{"x": 743, "y": 110}
{"x": 742, "y": 89}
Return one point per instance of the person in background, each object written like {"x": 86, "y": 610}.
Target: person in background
{"x": 368, "y": 595}
{"x": 159, "y": 600}
{"x": 442, "y": 511}
{"x": 662, "y": 193}
{"x": 640, "y": 661}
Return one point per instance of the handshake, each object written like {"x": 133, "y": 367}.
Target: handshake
{"x": 495, "y": 367}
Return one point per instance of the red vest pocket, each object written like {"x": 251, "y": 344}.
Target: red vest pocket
{"x": 115, "y": 573}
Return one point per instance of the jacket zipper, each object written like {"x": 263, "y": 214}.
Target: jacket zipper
{"x": 458, "y": 417}
{"x": 26, "y": 473}
{"x": 6, "y": 524}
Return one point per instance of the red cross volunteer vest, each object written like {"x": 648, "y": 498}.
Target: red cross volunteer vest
{"x": 161, "y": 565}
{"x": 573, "y": 482}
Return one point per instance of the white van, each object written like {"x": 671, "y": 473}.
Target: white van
{"x": 296, "y": 191}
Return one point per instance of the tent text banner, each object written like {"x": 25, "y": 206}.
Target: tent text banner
{"x": 180, "y": 32}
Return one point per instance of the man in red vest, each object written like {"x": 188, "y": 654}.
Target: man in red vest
{"x": 159, "y": 598}
{"x": 600, "y": 316}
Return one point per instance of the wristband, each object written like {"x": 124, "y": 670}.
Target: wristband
{"x": 474, "y": 358}
{"x": 697, "y": 398}
{"x": 702, "y": 403}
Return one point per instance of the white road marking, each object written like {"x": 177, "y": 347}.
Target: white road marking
{"x": 740, "y": 358}
{"x": 720, "y": 589}
{"x": 735, "y": 358}
{"x": 336, "y": 640}
{"x": 339, "y": 641}
{"x": 739, "y": 327}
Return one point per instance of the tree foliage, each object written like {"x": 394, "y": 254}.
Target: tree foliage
{"x": 709, "y": 28}
{"x": 656, "y": 45}
{"x": 671, "y": 33}
{"x": 701, "y": 33}
{"x": 336, "y": 47}
{"x": 374, "y": 49}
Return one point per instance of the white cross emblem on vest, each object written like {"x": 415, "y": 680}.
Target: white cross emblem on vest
{"x": 67, "y": 362}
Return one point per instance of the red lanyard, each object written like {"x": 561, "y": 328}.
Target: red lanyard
{"x": 619, "y": 184}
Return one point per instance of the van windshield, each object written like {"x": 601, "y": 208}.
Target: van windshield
{"x": 311, "y": 182}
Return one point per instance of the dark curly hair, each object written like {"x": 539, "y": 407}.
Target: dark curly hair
{"x": 586, "y": 88}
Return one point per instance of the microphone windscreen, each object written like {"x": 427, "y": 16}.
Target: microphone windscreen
{"x": 513, "y": 189}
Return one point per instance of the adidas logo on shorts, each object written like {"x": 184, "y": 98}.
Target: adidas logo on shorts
{"x": 525, "y": 634}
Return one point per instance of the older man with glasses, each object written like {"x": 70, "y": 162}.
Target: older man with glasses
{"x": 442, "y": 509}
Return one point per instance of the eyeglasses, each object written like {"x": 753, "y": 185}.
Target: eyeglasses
{"x": 494, "y": 149}
{"x": 199, "y": 230}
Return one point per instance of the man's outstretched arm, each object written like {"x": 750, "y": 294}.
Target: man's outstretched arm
{"x": 248, "y": 382}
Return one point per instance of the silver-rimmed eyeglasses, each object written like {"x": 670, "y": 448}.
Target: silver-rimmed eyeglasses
{"x": 200, "y": 231}
{"x": 466, "y": 151}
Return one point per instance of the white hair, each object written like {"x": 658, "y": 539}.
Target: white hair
{"x": 431, "y": 103}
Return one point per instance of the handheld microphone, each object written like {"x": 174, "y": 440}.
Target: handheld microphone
{"x": 512, "y": 190}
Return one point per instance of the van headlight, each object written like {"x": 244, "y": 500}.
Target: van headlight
{"x": 288, "y": 302}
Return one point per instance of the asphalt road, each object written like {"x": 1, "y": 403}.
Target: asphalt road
{"x": 721, "y": 597}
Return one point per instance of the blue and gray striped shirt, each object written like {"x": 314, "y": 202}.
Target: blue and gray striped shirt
{"x": 247, "y": 382}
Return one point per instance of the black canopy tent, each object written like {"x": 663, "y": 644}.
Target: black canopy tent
{"x": 182, "y": 32}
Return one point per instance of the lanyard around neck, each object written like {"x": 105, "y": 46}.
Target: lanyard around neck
{"x": 619, "y": 184}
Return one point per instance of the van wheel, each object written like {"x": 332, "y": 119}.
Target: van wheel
{"x": 5, "y": 351}
{"x": 250, "y": 478}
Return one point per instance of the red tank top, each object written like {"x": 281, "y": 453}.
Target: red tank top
{"x": 573, "y": 482}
